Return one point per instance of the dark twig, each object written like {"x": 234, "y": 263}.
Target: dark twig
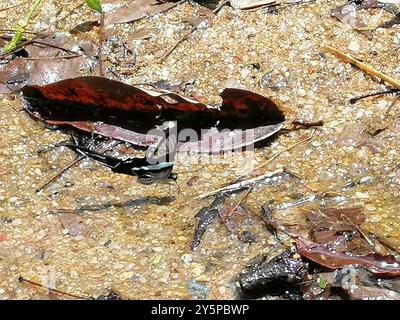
{"x": 26, "y": 281}
{"x": 54, "y": 178}
{"x": 392, "y": 105}
{"x": 10, "y": 7}
{"x": 354, "y": 100}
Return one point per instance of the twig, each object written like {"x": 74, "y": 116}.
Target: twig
{"x": 233, "y": 210}
{"x": 28, "y": 42}
{"x": 54, "y": 178}
{"x": 11, "y": 7}
{"x": 392, "y": 105}
{"x": 379, "y": 59}
{"x": 286, "y": 150}
{"x": 363, "y": 235}
{"x": 220, "y": 5}
{"x": 183, "y": 38}
{"x": 26, "y": 281}
{"x": 55, "y": 58}
{"x": 240, "y": 184}
{"x": 354, "y": 100}
{"x": 366, "y": 68}
{"x": 13, "y": 30}
{"x": 254, "y": 180}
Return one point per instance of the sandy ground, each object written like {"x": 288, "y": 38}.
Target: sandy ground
{"x": 143, "y": 251}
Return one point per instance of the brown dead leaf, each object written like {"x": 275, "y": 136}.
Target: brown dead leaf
{"x": 73, "y": 223}
{"x": 251, "y": 4}
{"x": 47, "y": 63}
{"x": 137, "y": 10}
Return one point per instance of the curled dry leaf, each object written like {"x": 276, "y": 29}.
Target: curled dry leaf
{"x": 250, "y": 4}
{"x": 46, "y": 63}
{"x": 329, "y": 224}
{"x": 384, "y": 265}
{"x": 137, "y": 10}
{"x": 73, "y": 223}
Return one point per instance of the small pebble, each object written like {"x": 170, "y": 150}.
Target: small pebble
{"x": 187, "y": 258}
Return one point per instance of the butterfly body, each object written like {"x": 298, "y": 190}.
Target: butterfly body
{"x": 146, "y": 172}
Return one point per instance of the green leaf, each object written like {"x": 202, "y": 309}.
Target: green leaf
{"x": 95, "y": 5}
{"x": 322, "y": 283}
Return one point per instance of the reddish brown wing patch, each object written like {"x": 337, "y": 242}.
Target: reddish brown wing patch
{"x": 101, "y": 99}
{"x": 95, "y": 92}
{"x": 245, "y": 104}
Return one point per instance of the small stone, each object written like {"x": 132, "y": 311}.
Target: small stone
{"x": 187, "y": 258}
{"x": 41, "y": 234}
{"x": 370, "y": 207}
{"x": 17, "y": 221}
{"x": 203, "y": 278}
{"x": 361, "y": 195}
{"x": 199, "y": 290}
{"x": 375, "y": 218}
{"x": 197, "y": 271}
{"x": 222, "y": 290}
{"x": 354, "y": 46}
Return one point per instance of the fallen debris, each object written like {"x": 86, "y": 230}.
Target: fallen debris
{"x": 366, "y": 68}
{"x": 277, "y": 276}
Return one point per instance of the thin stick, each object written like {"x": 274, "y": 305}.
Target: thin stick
{"x": 11, "y": 7}
{"x": 231, "y": 212}
{"x": 286, "y": 150}
{"x": 258, "y": 178}
{"x": 241, "y": 184}
{"x": 358, "y": 229}
{"x": 26, "y": 281}
{"x": 60, "y": 173}
{"x": 183, "y": 38}
{"x": 366, "y": 68}
{"x": 55, "y": 58}
{"x": 374, "y": 94}
{"x": 13, "y": 30}
{"x": 220, "y": 5}
{"x": 392, "y": 105}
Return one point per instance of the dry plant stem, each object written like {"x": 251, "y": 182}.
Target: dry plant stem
{"x": 254, "y": 180}
{"x": 379, "y": 59}
{"x": 32, "y": 283}
{"x": 232, "y": 212}
{"x": 13, "y": 30}
{"x": 359, "y": 230}
{"x": 240, "y": 184}
{"x": 58, "y": 175}
{"x": 283, "y": 151}
{"x": 11, "y": 7}
{"x": 220, "y": 5}
{"x": 392, "y": 105}
{"x": 55, "y": 58}
{"x": 28, "y": 42}
{"x": 366, "y": 68}
{"x": 183, "y": 38}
